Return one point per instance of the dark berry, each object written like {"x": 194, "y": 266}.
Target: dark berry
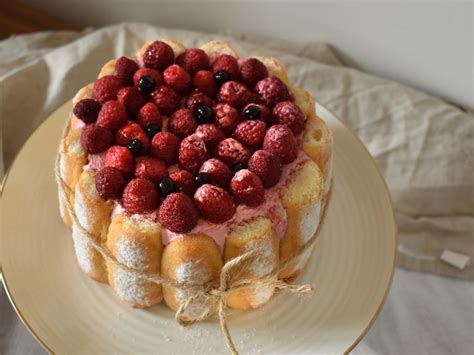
{"x": 221, "y": 77}
{"x": 87, "y": 110}
{"x": 135, "y": 146}
{"x": 201, "y": 179}
{"x": 204, "y": 114}
{"x": 252, "y": 112}
{"x": 152, "y": 129}
{"x": 166, "y": 186}
{"x": 146, "y": 83}
{"x": 236, "y": 167}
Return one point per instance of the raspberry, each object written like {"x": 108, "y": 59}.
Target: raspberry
{"x": 151, "y": 169}
{"x": 193, "y": 60}
{"x": 271, "y": 91}
{"x": 112, "y": 115}
{"x": 166, "y": 99}
{"x": 184, "y": 181}
{"x": 281, "y": 141}
{"x": 177, "y": 213}
{"x": 289, "y": 113}
{"x": 165, "y": 146}
{"x": 227, "y": 117}
{"x": 247, "y": 187}
{"x": 251, "y": 133}
{"x": 219, "y": 173}
{"x": 204, "y": 81}
{"x": 231, "y": 151}
{"x": 198, "y": 98}
{"x": 177, "y": 78}
{"x": 87, "y": 110}
{"x": 210, "y": 134}
{"x": 120, "y": 158}
{"x": 96, "y": 139}
{"x": 267, "y": 166}
{"x": 106, "y": 88}
{"x": 132, "y": 131}
{"x": 158, "y": 55}
{"x": 192, "y": 153}
{"x": 265, "y": 114}
{"x": 109, "y": 183}
{"x": 229, "y": 64}
{"x": 140, "y": 196}
{"x": 156, "y": 75}
{"x": 149, "y": 114}
{"x": 234, "y": 94}
{"x": 182, "y": 123}
{"x": 124, "y": 70}
{"x": 132, "y": 99}
{"x": 252, "y": 71}
{"x": 214, "y": 203}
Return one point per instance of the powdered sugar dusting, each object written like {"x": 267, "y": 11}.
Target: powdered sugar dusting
{"x": 84, "y": 251}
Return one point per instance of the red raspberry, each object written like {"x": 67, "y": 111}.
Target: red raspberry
{"x": 193, "y": 60}
{"x": 109, "y": 183}
{"x": 192, "y": 153}
{"x": 219, "y": 173}
{"x": 247, "y": 187}
{"x": 267, "y": 166}
{"x": 177, "y": 78}
{"x": 132, "y": 131}
{"x": 281, "y": 141}
{"x": 158, "y": 55}
{"x": 106, "y": 88}
{"x": 182, "y": 123}
{"x": 210, "y": 134}
{"x": 226, "y": 117}
{"x": 124, "y": 70}
{"x": 140, "y": 196}
{"x": 165, "y": 146}
{"x": 197, "y": 98}
{"x": 271, "y": 91}
{"x": 151, "y": 169}
{"x": 204, "y": 81}
{"x": 149, "y": 114}
{"x": 289, "y": 113}
{"x": 166, "y": 99}
{"x": 229, "y": 64}
{"x": 132, "y": 99}
{"x": 96, "y": 139}
{"x": 177, "y": 213}
{"x": 265, "y": 114}
{"x": 184, "y": 181}
{"x": 112, "y": 115}
{"x": 234, "y": 94}
{"x": 120, "y": 158}
{"x": 87, "y": 110}
{"x": 156, "y": 75}
{"x": 252, "y": 71}
{"x": 214, "y": 203}
{"x": 231, "y": 151}
{"x": 251, "y": 133}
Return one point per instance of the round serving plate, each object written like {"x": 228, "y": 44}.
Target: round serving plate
{"x": 351, "y": 269}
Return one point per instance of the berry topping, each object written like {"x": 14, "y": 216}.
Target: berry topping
{"x": 96, "y": 139}
{"x": 87, "y": 110}
{"x": 112, "y": 115}
{"x": 214, "y": 203}
{"x": 149, "y": 114}
{"x": 146, "y": 84}
{"x": 251, "y": 133}
{"x": 227, "y": 117}
{"x": 140, "y": 196}
{"x": 234, "y": 94}
{"x": 158, "y": 55}
{"x": 267, "y": 166}
{"x": 120, "y": 158}
{"x": 227, "y": 63}
{"x": 165, "y": 146}
{"x": 177, "y": 78}
{"x": 203, "y": 114}
{"x": 193, "y": 60}
{"x": 124, "y": 70}
{"x": 184, "y": 181}
{"x": 166, "y": 99}
{"x": 152, "y": 129}
{"x": 109, "y": 183}
{"x": 289, "y": 113}
{"x": 182, "y": 123}
{"x": 204, "y": 81}
{"x": 217, "y": 171}
{"x": 132, "y": 132}
{"x": 231, "y": 151}
{"x": 135, "y": 146}
{"x": 261, "y": 112}
{"x": 251, "y": 112}
{"x": 151, "y": 169}
{"x": 271, "y": 91}
{"x": 210, "y": 134}
{"x": 201, "y": 179}
{"x": 237, "y": 167}
{"x": 281, "y": 141}
{"x": 221, "y": 77}
{"x": 132, "y": 99}
{"x": 106, "y": 88}
{"x": 166, "y": 186}
{"x": 178, "y": 214}
{"x": 192, "y": 153}
{"x": 152, "y": 73}
{"x": 198, "y": 98}
{"x": 252, "y": 71}
{"x": 247, "y": 187}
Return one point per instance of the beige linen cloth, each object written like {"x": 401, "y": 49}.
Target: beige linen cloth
{"x": 423, "y": 145}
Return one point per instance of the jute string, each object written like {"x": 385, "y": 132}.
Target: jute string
{"x": 214, "y": 292}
